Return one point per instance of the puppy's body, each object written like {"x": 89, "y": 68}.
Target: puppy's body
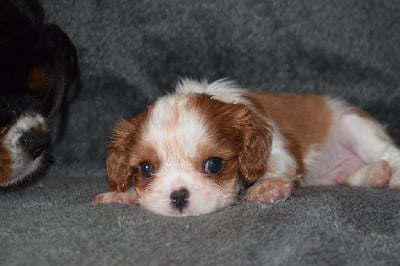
{"x": 186, "y": 153}
{"x": 328, "y": 139}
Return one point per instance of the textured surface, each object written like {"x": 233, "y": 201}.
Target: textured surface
{"x": 53, "y": 223}
{"x": 131, "y": 52}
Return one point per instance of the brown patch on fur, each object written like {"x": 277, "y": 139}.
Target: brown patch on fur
{"x": 126, "y": 134}
{"x": 5, "y": 162}
{"x": 363, "y": 114}
{"x": 237, "y": 135}
{"x": 141, "y": 154}
{"x": 39, "y": 80}
{"x": 230, "y": 167}
{"x": 303, "y": 119}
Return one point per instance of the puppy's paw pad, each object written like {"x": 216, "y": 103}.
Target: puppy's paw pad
{"x": 269, "y": 191}
{"x": 380, "y": 174}
{"x": 115, "y": 197}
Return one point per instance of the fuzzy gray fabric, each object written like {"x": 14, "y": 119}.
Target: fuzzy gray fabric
{"x": 52, "y": 223}
{"x": 133, "y": 51}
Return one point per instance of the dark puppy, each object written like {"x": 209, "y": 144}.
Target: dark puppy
{"x": 38, "y": 63}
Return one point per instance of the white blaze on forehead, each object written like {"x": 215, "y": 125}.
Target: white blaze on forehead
{"x": 175, "y": 129}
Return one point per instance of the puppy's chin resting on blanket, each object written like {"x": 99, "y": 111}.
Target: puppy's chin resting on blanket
{"x": 186, "y": 153}
{"x": 38, "y": 63}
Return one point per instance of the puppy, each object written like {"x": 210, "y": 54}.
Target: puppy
{"x": 38, "y": 63}
{"x": 186, "y": 153}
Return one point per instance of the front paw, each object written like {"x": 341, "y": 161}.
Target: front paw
{"x": 116, "y": 197}
{"x": 269, "y": 190}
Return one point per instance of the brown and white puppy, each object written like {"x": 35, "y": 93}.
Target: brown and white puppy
{"x": 186, "y": 153}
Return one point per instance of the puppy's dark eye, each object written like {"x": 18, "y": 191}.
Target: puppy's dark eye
{"x": 213, "y": 165}
{"x": 146, "y": 169}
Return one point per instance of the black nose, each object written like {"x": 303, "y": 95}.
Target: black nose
{"x": 35, "y": 142}
{"x": 179, "y": 199}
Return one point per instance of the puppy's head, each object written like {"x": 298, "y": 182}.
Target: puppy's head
{"x": 185, "y": 154}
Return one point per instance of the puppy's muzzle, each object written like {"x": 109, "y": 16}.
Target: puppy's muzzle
{"x": 35, "y": 142}
{"x": 179, "y": 198}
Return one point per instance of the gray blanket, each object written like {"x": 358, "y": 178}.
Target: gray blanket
{"x": 131, "y": 52}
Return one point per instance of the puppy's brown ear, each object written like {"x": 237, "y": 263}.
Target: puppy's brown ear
{"x": 257, "y": 141}
{"x": 118, "y": 169}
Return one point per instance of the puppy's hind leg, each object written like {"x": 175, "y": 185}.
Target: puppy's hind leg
{"x": 366, "y": 138}
{"x": 375, "y": 174}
